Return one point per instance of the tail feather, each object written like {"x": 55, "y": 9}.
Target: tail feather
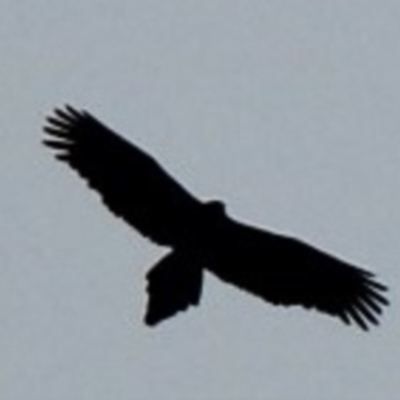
{"x": 174, "y": 284}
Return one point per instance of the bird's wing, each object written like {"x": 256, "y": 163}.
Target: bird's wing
{"x": 174, "y": 284}
{"x": 131, "y": 183}
{"x": 286, "y": 271}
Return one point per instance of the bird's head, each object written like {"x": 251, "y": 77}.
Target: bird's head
{"x": 215, "y": 208}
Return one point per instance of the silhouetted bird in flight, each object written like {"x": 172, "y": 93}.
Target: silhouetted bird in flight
{"x": 281, "y": 270}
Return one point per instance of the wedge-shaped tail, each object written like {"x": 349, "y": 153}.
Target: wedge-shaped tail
{"x": 174, "y": 284}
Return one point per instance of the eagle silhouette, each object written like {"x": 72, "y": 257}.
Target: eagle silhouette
{"x": 279, "y": 269}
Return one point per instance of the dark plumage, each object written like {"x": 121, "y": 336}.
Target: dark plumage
{"x": 279, "y": 269}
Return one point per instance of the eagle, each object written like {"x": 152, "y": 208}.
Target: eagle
{"x": 279, "y": 269}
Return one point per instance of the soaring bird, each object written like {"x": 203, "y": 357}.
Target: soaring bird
{"x": 279, "y": 269}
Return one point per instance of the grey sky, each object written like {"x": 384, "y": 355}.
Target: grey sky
{"x": 286, "y": 110}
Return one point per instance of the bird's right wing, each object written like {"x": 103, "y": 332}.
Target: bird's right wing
{"x": 132, "y": 184}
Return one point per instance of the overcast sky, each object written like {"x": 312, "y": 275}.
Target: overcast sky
{"x": 287, "y": 110}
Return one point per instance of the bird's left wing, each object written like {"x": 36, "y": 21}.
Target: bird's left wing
{"x": 286, "y": 271}
{"x": 131, "y": 183}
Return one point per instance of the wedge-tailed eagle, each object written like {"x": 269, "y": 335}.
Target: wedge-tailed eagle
{"x": 281, "y": 270}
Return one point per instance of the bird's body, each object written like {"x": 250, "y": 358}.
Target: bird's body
{"x": 278, "y": 269}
